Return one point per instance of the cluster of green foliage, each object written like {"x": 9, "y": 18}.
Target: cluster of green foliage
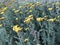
{"x": 29, "y": 24}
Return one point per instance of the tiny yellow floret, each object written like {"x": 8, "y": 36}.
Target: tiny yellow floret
{"x": 50, "y": 9}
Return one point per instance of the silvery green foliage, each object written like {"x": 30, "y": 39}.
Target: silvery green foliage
{"x": 44, "y": 32}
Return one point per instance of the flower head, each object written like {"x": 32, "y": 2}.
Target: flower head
{"x": 16, "y": 11}
{"x": 16, "y": 28}
{"x": 38, "y": 44}
{"x": 16, "y": 18}
{"x": 2, "y": 18}
{"x": 50, "y": 9}
{"x": 39, "y": 19}
{"x": 28, "y": 19}
{"x": 2, "y": 13}
{"x": 52, "y": 19}
{"x": 1, "y": 25}
{"x": 25, "y": 40}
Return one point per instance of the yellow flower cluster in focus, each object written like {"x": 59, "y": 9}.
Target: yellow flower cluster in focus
{"x": 16, "y": 28}
{"x": 28, "y": 19}
{"x": 2, "y": 10}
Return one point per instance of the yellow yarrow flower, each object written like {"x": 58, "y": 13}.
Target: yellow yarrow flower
{"x": 38, "y": 44}
{"x": 2, "y": 13}
{"x": 5, "y": 8}
{"x": 30, "y": 16}
{"x": 27, "y": 28}
{"x": 20, "y": 6}
{"x": 16, "y": 11}
{"x": 38, "y": 2}
{"x": 21, "y": 12}
{"x": 39, "y": 19}
{"x": 16, "y": 28}
{"x": 28, "y": 19}
{"x": 30, "y": 10}
{"x": 1, "y": 25}
{"x": 52, "y": 19}
{"x": 2, "y": 18}
{"x": 16, "y": 18}
{"x": 26, "y": 39}
{"x": 50, "y": 9}
{"x": 32, "y": 6}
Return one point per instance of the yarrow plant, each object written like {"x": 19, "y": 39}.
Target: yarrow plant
{"x": 29, "y": 24}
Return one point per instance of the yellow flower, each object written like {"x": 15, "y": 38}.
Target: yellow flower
{"x": 37, "y": 3}
{"x": 28, "y": 19}
{"x": 45, "y": 16}
{"x": 1, "y": 25}
{"x": 39, "y": 19}
{"x": 32, "y": 6}
{"x": 13, "y": 9}
{"x": 2, "y": 13}
{"x": 16, "y": 11}
{"x": 2, "y": 18}
{"x": 38, "y": 44}
{"x": 52, "y": 19}
{"x": 20, "y": 6}
{"x": 16, "y": 28}
{"x": 5, "y": 8}
{"x": 59, "y": 16}
{"x": 50, "y": 9}
{"x": 30, "y": 10}
{"x": 16, "y": 18}
{"x": 30, "y": 16}
{"x": 21, "y": 12}
{"x": 27, "y": 28}
{"x": 26, "y": 39}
